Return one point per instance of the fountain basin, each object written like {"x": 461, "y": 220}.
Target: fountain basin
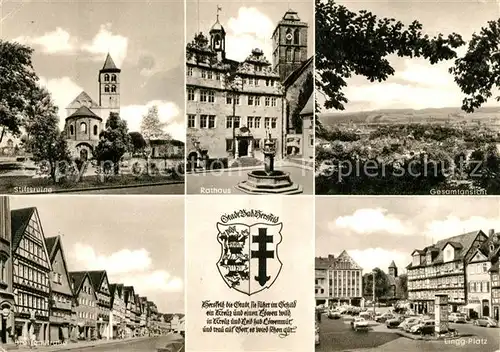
{"x": 273, "y": 182}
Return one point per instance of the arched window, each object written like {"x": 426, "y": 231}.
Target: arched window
{"x": 71, "y": 130}
{"x": 106, "y": 78}
{"x": 289, "y": 54}
{"x": 113, "y": 78}
{"x": 83, "y": 127}
{"x": 296, "y": 55}
{"x": 288, "y": 35}
{"x": 113, "y": 88}
{"x": 106, "y": 88}
{"x": 95, "y": 130}
{"x": 296, "y": 36}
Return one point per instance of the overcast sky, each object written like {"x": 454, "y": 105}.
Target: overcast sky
{"x": 377, "y": 230}
{"x": 416, "y": 83}
{"x": 248, "y": 24}
{"x": 138, "y": 240}
{"x": 72, "y": 38}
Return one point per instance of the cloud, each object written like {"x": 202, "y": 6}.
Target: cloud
{"x": 57, "y": 41}
{"x": 63, "y": 91}
{"x": 153, "y": 282}
{"x": 371, "y": 258}
{"x": 62, "y": 42}
{"x": 243, "y": 35}
{"x": 453, "y": 225}
{"x": 368, "y": 221}
{"x": 123, "y": 261}
{"x": 106, "y": 42}
{"x": 167, "y": 111}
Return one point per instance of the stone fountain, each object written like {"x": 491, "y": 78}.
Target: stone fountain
{"x": 269, "y": 180}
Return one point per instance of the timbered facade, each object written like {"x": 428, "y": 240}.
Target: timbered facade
{"x": 86, "y": 308}
{"x": 100, "y": 283}
{"x": 129, "y": 298}
{"x": 31, "y": 271}
{"x": 62, "y": 322}
{"x": 117, "y": 318}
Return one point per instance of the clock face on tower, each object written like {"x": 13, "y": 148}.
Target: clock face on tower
{"x": 288, "y": 37}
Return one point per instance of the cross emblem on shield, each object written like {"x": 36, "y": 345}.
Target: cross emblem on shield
{"x": 249, "y": 261}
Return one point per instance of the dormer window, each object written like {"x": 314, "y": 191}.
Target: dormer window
{"x": 416, "y": 260}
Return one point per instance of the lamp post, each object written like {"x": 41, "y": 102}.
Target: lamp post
{"x": 234, "y": 83}
{"x": 373, "y": 284}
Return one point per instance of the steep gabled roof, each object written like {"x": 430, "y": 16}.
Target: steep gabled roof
{"x": 309, "y": 107}
{"x": 83, "y": 99}
{"x": 19, "y": 221}
{"x": 96, "y": 278}
{"x": 109, "y": 65}
{"x": 53, "y": 244}
{"x": 50, "y": 243}
{"x": 393, "y": 265}
{"x": 77, "y": 278}
{"x": 292, "y": 77}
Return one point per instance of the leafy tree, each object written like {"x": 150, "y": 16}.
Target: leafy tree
{"x": 350, "y": 43}
{"x": 151, "y": 126}
{"x": 114, "y": 143}
{"x": 44, "y": 140}
{"x": 478, "y": 71}
{"x": 138, "y": 142}
{"x": 402, "y": 288}
{"x": 17, "y": 84}
{"x": 382, "y": 285}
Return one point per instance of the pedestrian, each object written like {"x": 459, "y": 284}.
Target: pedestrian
{"x": 318, "y": 315}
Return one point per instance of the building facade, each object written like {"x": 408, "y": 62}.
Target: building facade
{"x": 233, "y": 107}
{"x": 86, "y": 118}
{"x": 118, "y": 314}
{"x": 130, "y": 312}
{"x": 86, "y": 308}
{"x": 31, "y": 271}
{"x": 441, "y": 269}
{"x": 99, "y": 280}
{"x": 62, "y": 325}
{"x": 478, "y": 285}
{"x": 343, "y": 283}
{"x": 7, "y": 303}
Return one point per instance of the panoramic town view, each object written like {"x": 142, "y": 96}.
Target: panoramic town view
{"x": 91, "y": 104}
{"x": 416, "y": 113}
{"x": 84, "y": 281}
{"x": 249, "y": 97}
{"x": 407, "y": 274}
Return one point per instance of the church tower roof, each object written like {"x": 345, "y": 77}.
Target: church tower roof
{"x": 392, "y": 265}
{"x": 109, "y": 65}
{"x": 83, "y": 111}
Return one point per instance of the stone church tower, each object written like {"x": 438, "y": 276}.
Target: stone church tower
{"x": 289, "y": 44}
{"x": 109, "y": 88}
{"x": 393, "y": 269}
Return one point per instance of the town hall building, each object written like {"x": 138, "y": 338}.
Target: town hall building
{"x": 233, "y": 107}
{"x": 86, "y": 118}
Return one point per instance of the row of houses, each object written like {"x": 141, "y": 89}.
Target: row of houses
{"x": 43, "y": 302}
{"x": 464, "y": 267}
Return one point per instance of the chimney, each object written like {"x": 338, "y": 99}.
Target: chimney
{"x": 491, "y": 232}
{"x": 331, "y": 257}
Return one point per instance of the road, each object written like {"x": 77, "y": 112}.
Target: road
{"x": 226, "y": 180}
{"x": 146, "y": 345}
{"x": 177, "y": 188}
{"x": 336, "y": 335}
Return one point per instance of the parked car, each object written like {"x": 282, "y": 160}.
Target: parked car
{"x": 316, "y": 333}
{"x": 384, "y": 317}
{"x": 334, "y": 314}
{"x": 457, "y": 318}
{"x": 366, "y": 315}
{"x": 395, "y": 322}
{"x": 486, "y": 321}
{"x": 425, "y": 327}
{"x": 359, "y": 324}
{"x": 407, "y": 324}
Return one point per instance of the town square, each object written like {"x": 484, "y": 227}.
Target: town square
{"x": 407, "y": 274}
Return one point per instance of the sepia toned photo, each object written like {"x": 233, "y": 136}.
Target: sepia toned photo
{"x": 249, "y": 97}
{"x": 110, "y": 277}
{"x": 91, "y": 97}
{"x": 407, "y": 274}
{"x": 407, "y": 97}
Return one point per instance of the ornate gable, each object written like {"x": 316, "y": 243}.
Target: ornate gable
{"x": 344, "y": 261}
{"x": 31, "y": 243}
{"x": 105, "y": 285}
{"x": 478, "y": 257}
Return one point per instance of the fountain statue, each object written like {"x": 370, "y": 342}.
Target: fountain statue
{"x": 269, "y": 180}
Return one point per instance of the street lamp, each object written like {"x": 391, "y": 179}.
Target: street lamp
{"x": 234, "y": 82}
{"x": 373, "y": 284}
